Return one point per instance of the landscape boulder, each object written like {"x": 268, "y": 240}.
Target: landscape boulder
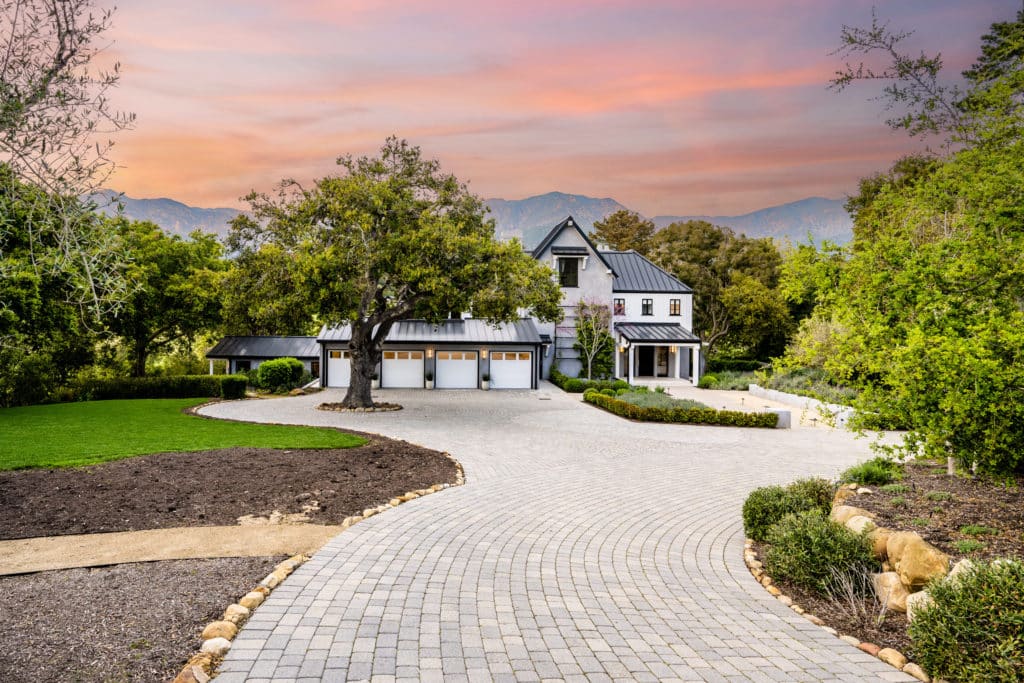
{"x": 841, "y": 513}
{"x": 890, "y": 591}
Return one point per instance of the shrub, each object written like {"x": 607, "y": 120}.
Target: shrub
{"x": 765, "y": 506}
{"x": 182, "y": 386}
{"x": 875, "y": 472}
{"x": 658, "y": 399}
{"x": 607, "y": 392}
{"x": 811, "y": 382}
{"x": 708, "y": 416}
{"x": 575, "y": 385}
{"x": 735, "y": 381}
{"x": 806, "y": 548}
{"x": 708, "y": 381}
{"x": 279, "y": 374}
{"x": 974, "y": 630}
{"x": 733, "y": 365}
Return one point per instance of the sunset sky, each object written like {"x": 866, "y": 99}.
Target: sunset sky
{"x": 670, "y": 107}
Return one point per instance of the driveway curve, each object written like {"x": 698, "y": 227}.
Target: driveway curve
{"x": 583, "y": 547}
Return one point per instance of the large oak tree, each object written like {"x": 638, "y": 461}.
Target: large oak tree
{"x": 393, "y": 237}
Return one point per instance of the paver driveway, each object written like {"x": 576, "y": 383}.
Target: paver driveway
{"x": 582, "y": 547}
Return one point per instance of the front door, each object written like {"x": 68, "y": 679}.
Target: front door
{"x": 662, "y": 361}
{"x": 645, "y": 361}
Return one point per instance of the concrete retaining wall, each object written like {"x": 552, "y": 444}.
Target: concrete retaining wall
{"x": 841, "y": 414}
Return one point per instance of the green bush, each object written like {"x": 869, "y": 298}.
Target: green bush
{"x": 182, "y": 386}
{"x": 658, "y": 399}
{"x": 708, "y": 381}
{"x": 607, "y": 392}
{"x": 735, "y": 381}
{"x": 807, "y": 547}
{"x": 576, "y": 385}
{"x": 974, "y": 630}
{"x": 875, "y": 472}
{"x": 708, "y": 416}
{"x": 765, "y": 506}
{"x": 811, "y": 382}
{"x": 733, "y": 365}
{"x": 279, "y": 374}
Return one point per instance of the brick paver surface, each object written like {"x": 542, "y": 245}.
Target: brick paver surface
{"x": 583, "y": 547}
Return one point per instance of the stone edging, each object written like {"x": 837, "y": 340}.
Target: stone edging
{"x": 217, "y": 635}
{"x": 377, "y": 408}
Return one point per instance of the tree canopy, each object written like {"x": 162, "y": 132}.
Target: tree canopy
{"x": 393, "y": 237}
{"x": 624, "y": 230}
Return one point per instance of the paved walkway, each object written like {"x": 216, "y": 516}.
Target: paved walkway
{"x": 583, "y": 547}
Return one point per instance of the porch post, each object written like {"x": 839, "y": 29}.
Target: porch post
{"x": 618, "y": 359}
{"x": 211, "y": 366}
{"x": 679, "y": 361}
{"x": 631, "y": 351}
{"x": 695, "y": 364}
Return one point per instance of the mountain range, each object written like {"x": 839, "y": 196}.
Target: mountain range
{"x": 529, "y": 219}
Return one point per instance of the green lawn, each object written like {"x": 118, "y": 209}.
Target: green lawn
{"x": 72, "y": 434}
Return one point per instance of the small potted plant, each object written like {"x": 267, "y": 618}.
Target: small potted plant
{"x": 375, "y": 381}
{"x": 429, "y": 377}
{"x": 485, "y": 383}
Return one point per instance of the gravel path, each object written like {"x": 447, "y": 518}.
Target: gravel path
{"x": 583, "y": 547}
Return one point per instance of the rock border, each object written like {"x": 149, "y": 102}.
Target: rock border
{"x": 860, "y": 521}
{"x": 218, "y": 635}
{"x": 377, "y": 408}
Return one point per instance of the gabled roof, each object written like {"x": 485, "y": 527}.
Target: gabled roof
{"x": 666, "y": 333}
{"x": 634, "y": 273}
{"x": 265, "y": 347}
{"x": 469, "y": 331}
{"x": 569, "y": 224}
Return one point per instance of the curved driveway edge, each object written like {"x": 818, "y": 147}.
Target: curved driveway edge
{"x": 583, "y": 547}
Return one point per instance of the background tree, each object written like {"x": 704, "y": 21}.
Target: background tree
{"x": 393, "y": 237}
{"x": 42, "y": 338}
{"x": 261, "y": 295}
{"x": 708, "y": 258}
{"x": 593, "y": 341}
{"x": 177, "y": 289}
{"x": 759, "y": 319}
{"x": 624, "y": 230}
{"x": 925, "y": 316}
{"x": 54, "y": 119}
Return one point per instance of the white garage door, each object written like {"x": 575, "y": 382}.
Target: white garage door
{"x": 402, "y": 370}
{"x": 511, "y": 369}
{"x": 339, "y": 368}
{"x": 456, "y": 370}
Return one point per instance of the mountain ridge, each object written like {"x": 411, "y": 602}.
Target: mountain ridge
{"x": 530, "y": 219}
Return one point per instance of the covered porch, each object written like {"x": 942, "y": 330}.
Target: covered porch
{"x": 656, "y": 350}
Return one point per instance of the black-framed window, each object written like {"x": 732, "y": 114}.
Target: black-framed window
{"x": 242, "y": 365}
{"x": 674, "y": 306}
{"x": 569, "y": 272}
{"x": 620, "y": 307}
{"x": 647, "y": 307}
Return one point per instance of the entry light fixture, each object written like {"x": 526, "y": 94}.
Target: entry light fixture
{"x": 483, "y": 353}
{"x": 430, "y": 352}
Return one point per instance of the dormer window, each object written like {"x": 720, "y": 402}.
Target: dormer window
{"x": 569, "y": 272}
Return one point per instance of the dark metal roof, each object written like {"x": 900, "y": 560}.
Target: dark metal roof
{"x": 265, "y": 347}
{"x": 669, "y": 333}
{"x": 470, "y": 331}
{"x": 569, "y": 222}
{"x": 634, "y": 273}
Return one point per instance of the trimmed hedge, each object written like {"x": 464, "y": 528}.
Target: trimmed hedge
{"x": 733, "y": 364}
{"x": 764, "y": 507}
{"x": 182, "y": 386}
{"x": 280, "y": 373}
{"x": 706, "y": 416}
{"x": 576, "y": 385}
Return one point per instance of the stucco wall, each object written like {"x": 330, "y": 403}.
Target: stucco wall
{"x": 634, "y": 309}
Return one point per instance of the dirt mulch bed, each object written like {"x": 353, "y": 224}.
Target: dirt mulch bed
{"x": 942, "y": 509}
{"x": 213, "y": 488}
{"x": 130, "y": 622}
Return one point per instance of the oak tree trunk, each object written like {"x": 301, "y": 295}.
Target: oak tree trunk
{"x": 366, "y": 353}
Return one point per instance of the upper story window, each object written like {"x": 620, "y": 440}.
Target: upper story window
{"x": 673, "y": 306}
{"x": 620, "y": 307}
{"x": 569, "y": 272}
{"x": 647, "y": 307}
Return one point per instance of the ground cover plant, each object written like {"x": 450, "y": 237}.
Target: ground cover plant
{"x": 678, "y": 415}
{"x": 810, "y": 382}
{"x": 655, "y": 399}
{"x": 878, "y": 471}
{"x": 731, "y": 380}
{"x": 71, "y": 434}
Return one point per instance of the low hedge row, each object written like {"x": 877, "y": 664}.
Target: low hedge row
{"x": 182, "y": 386}
{"x": 577, "y": 385}
{"x": 733, "y": 364}
{"x": 705, "y": 416}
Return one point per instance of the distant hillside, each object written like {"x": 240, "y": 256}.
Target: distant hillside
{"x": 530, "y": 219}
{"x": 823, "y": 219}
{"x": 173, "y": 216}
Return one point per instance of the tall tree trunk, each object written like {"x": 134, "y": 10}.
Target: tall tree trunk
{"x": 365, "y": 357}
{"x": 139, "y": 355}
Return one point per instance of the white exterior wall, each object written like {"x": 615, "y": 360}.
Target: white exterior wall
{"x": 594, "y": 285}
{"x": 634, "y": 309}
